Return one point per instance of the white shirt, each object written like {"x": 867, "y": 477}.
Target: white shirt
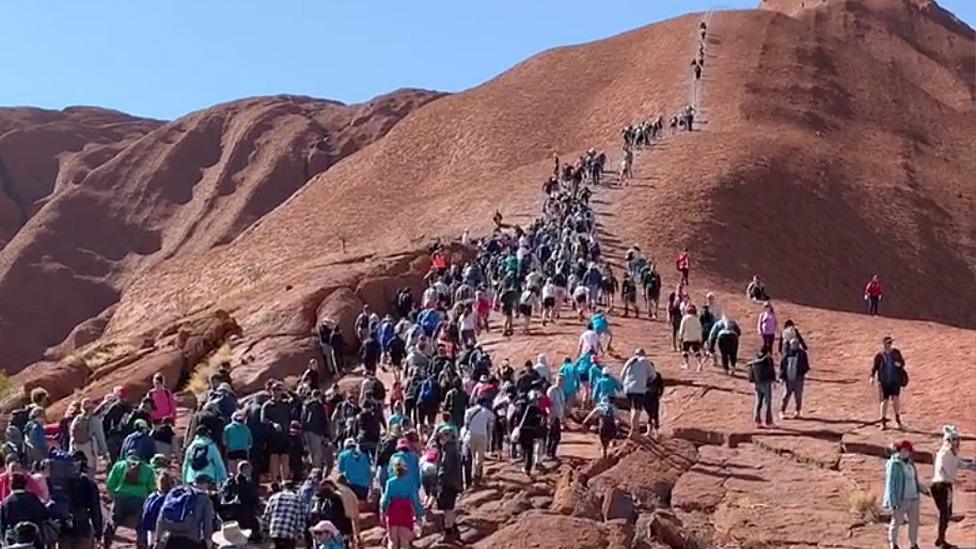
{"x": 589, "y": 341}
{"x": 468, "y": 321}
{"x": 581, "y": 292}
{"x": 476, "y": 420}
{"x": 557, "y": 398}
{"x": 549, "y": 291}
{"x": 947, "y": 466}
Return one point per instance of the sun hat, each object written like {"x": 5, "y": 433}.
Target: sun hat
{"x": 324, "y": 527}
{"x": 231, "y": 533}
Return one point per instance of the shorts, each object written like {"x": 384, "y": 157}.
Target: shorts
{"x": 127, "y": 511}
{"x": 525, "y": 310}
{"x": 278, "y": 443}
{"x": 890, "y": 391}
{"x": 637, "y": 401}
{"x": 507, "y": 310}
{"x": 237, "y": 454}
{"x": 549, "y": 302}
{"x": 692, "y": 346}
{"x": 581, "y": 299}
{"x": 447, "y": 499}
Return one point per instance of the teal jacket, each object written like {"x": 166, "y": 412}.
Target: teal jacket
{"x": 570, "y": 379}
{"x": 237, "y": 436}
{"x": 215, "y": 468}
{"x": 606, "y": 386}
{"x": 895, "y": 479}
{"x": 401, "y": 488}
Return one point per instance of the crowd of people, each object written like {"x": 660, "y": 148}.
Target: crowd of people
{"x": 302, "y": 465}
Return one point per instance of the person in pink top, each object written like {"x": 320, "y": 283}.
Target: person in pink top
{"x": 14, "y": 467}
{"x": 164, "y": 403}
{"x": 766, "y": 326}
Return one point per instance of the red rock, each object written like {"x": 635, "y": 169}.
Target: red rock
{"x": 572, "y": 498}
{"x": 538, "y": 529}
{"x": 618, "y": 504}
{"x": 648, "y": 472}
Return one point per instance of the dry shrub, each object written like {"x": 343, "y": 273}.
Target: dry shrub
{"x": 864, "y": 504}
{"x": 200, "y": 379}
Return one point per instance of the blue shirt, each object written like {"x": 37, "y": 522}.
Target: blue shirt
{"x": 413, "y": 465}
{"x": 570, "y": 379}
{"x": 606, "y": 386}
{"x": 355, "y": 465}
{"x": 401, "y": 488}
{"x": 142, "y": 443}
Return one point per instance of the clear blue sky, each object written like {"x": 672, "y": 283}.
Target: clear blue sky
{"x": 165, "y": 58}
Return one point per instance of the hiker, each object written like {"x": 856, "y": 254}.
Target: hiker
{"x": 889, "y": 373}
{"x": 762, "y": 374}
{"x": 556, "y": 413}
{"x": 903, "y": 490}
{"x": 530, "y": 423}
{"x": 756, "y": 290}
{"x": 725, "y": 333}
{"x": 690, "y": 335}
{"x": 285, "y": 517}
{"x": 793, "y": 368}
{"x": 164, "y": 438}
{"x": 707, "y": 319}
{"x": 604, "y": 384}
{"x": 202, "y": 457}
{"x": 81, "y": 433}
{"x": 276, "y": 414}
{"x": 652, "y": 400}
{"x": 326, "y": 536}
{"x": 947, "y": 465}
{"x": 676, "y": 302}
{"x": 683, "y": 264}
{"x": 326, "y": 505}
{"x": 237, "y": 440}
{"x": 873, "y": 293}
{"x": 628, "y": 294}
{"x": 450, "y": 482}
{"x": 766, "y": 325}
{"x": 509, "y": 299}
{"x": 315, "y": 430}
{"x": 146, "y": 531}
{"x": 350, "y": 506}
{"x": 651, "y": 283}
{"x": 601, "y": 325}
{"x": 606, "y": 415}
{"x": 22, "y": 506}
{"x": 129, "y": 483}
{"x": 635, "y": 373}
{"x": 355, "y": 465}
{"x": 187, "y": 517}
{"x": 164, "y": 403}
{"x": 696, "y": 67}
{"x": 400, "y": 507}
{"x": 140, "y": 442}
{"x": 85, "y": 508}
{"x": 113, "y": 424}
{"x": 474, "y": 435}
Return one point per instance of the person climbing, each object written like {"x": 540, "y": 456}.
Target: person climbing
{"x": 873, "y": 293}
{"x": 766, "y": 325}
{"x": 606, "y": 414}
{"x": 635, "y": 375}
{"x": 762, "y": 374}
{"x": 947, "y": 465}
{"x": 725, "y": 334}
{"x": 651, "y": 282}
{"x": 676, "y": 301}
{"x": 889, "y": 372}
{"x": 628, "y": 294}
{"x": 690, "y": 335}
{"x": 696, "y": 67}
{"x": 683, "y": 264}
{"x": 902, "y": 493}
{"x": 793, "y": 370}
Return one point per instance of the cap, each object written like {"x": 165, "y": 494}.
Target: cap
{"x": 887, "y": 339}
{"x": 905, "y": 445}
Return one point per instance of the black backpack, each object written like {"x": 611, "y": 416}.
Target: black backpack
{"x": 19, "y": 418}
{"x": 200, "y": 458}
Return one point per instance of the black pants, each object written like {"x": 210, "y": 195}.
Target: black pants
{"x": 499, "y": 435}
{"x": 728, "y": 347}
{"x": 183, "y": 543}
{"x": 285, "y": 543}
{"x": 873, "y": 302}
{"x": 652, "y": 406}
{"x": 674, "y": 332}
{"x": 684, "y": 272}
{"x": 553, "y": 438}
{"x": 942, "y": 495}
{"x": 527, "y": 443}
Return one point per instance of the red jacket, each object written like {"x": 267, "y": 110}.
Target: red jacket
{"x": 873, "y": 289}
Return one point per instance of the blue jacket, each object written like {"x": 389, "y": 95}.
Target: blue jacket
{"x": 237, "y": 436}
{"x": 606, "y": 386}
{"x": 142, "y": 443}
{"x": 413, "y": 465}
{"x": 401, "y": 488}
{"x": 215, "y": 468}
{"x": 355, "y": 465}
{"x": 895, "y": 478}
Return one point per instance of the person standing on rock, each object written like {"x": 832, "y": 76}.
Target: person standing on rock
{"x": 606, "y": 415}
{"x": 651, "y": 282}
{"x": 947, "y": 465}
{"x": 635, "y": 373}
{"x": 903, "y": 491}
{"x": 655, "y": 390}
{"x": 450, "y": 479}
{"x": 400, "y": 507}
{"x": 762, "y": 374}
{"x": 889, "y": 372}
{"x": 690, "y": 335}
{"x": 873, "y": 293}
{"x": 557, "y": 410}
{"x": 793, "y": 370}
{"x": 766, "y": 326}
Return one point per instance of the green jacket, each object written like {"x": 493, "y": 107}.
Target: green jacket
{"x": 117, "y": 486}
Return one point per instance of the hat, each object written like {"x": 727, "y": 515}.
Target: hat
{"x": 949, "y": 432}
{"x": 887, "y": 339}
{"x": 324, "y": 527}
{"x": 231, "y": 533}
{"x": 904, "y": 445}
{"x": 141, "y": 425}
{"x": 350, "y": 443}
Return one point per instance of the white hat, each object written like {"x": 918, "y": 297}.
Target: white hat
{"x": 231, "y": 534}
{"x": 950, "y": 432}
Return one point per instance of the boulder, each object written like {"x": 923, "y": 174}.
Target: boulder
{"x": 273, "y": 358}
{"x": 59, "y": 379}
{"x": 648, "y": 472}
{"x": 618, "y": 504}
{"x": 539, "y": 529}
{"x": 620, "y": 533}
{"x": 341, "y": 306}
{"x": 572, "y": 498}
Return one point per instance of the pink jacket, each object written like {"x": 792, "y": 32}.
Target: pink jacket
{"x": 767, "y": 323}
{"x": 165, "y": 404}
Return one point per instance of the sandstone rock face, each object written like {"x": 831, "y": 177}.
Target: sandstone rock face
{"x": 573, "y": 498}
{"x": 647, "y": 473}
{"x": 538, "y": 529}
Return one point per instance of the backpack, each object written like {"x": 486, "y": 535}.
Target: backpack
{"x": 427, "y": 390}
{"x": 230, "y": 494}
{"x": 133, "y": 470}
{"x": 200, "y": 458}
{"x": 179, "y": 505}
{"x": 903, "y": 378}
{"x": 375, "y": 390}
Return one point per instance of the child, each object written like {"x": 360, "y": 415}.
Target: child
{"x": 428, "y": 476}
{"x": 326, "y": 536}
{"x": 606, "y": 413}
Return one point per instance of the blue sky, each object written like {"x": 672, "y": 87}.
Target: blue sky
{"x": 165, "y": 58}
